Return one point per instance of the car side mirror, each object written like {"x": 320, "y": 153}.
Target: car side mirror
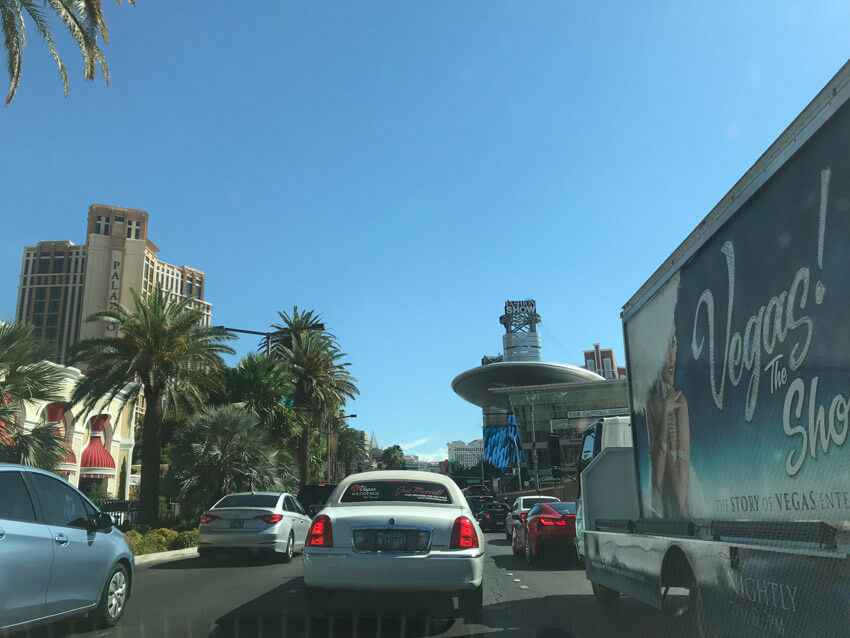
{"x": 101, "y": 522}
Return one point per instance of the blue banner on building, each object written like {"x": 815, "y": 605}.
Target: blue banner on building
{"x": 499, "y": 447}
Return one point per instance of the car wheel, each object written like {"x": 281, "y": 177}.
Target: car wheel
{"x": 605, "y": 596}
{"x": 113, "y": 598}
{"x": 507, "y": 533}
{"x": 290, "y": 549}
{"x": 514, "y": 543}
{"x": 472, "y": 605}
{"x": 529, "y": 555}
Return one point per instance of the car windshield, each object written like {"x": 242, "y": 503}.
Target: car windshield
{"x": 396, "y": 491}
{"x": 248, "y": 500}
{"x": 564, "y": 508}
{"x": 315, "y": 494}
{"x": 442, "y": 250}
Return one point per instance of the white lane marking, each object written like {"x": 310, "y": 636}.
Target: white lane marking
{"x": 517, "y": 580}
{"x": 523, "y": 586}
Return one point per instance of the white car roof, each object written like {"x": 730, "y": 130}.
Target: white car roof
{"x": 398, "y": 475}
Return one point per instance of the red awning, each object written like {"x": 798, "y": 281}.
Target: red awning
{"x": 96, "y": 461}
{"x": 55, "y": 413}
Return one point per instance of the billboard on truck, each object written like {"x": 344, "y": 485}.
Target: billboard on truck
{"x": 739, "y": 364}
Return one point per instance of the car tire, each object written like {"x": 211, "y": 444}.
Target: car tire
{"x": 113, "y": 598}
{"x": 472, "y": 605}
{"x": 290, "y": 549}
{"x": 530, "y": 558}
{"x": 507, "y": 532}
{"x": 514, "y": 543}
{"x": 604, "y": 595}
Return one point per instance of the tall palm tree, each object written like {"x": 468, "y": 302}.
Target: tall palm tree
{"x": 83, "y": 19}
{"x": 26, "y": 375}
{"x": 162, "y": 351}
{"x": 322, "y": 382}
{"x": 350, "y": 447}
{"x": 221, "y": 450}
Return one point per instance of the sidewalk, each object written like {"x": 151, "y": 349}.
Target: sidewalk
{"x": 162, "y": 557}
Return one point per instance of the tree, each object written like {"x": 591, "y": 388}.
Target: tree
{"x": 83, "y": 19}
{"x": 350, "y": 447}
{"x": 160, "y": 350}
{"x": 322, "y": 383}
{"x": 222, "y": 450}
{"x": 264, "y": 386}
{"x": 26, "y": 375}
{"x": 393, "y": 458}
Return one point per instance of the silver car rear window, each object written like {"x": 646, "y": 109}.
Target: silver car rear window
{"x": 248, "y": 500}
{"x": 396, "y": 491}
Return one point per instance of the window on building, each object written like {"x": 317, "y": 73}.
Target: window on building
{"x": 606, "y": 365}
{"x": 44, "y": 263}
{"x": 589, "y": 365}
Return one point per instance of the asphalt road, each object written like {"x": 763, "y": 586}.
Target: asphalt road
{"x": 238, "y": 598}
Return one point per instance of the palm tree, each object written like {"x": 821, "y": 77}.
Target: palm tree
{"x": 26, "y": 375}
{"x": 162, "y": 351}
{"x": 322, "y": 383}
{"x": 264, "y": 386}
{"x": 222, "y": 450}
{"x": 393, "y": 458}
{"x": 83, "y": 19}
{"x": 350, "y": 447}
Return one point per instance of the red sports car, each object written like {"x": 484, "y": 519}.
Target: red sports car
{"x": 547, "y": 524}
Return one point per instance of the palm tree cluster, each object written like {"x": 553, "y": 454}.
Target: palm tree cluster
{"x": 221, "y": 428}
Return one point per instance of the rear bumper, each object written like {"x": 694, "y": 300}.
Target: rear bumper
{"x": 446, "y": 571}
{"x": 239, "y": 541}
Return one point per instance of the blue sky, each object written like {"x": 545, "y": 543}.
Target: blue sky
{"x": 405, "y": 167}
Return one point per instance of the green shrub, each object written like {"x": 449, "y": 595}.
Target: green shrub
{"x": 168, "y": 536}
{"x": 144, "y": 544}
{"x": 184, "y": 540}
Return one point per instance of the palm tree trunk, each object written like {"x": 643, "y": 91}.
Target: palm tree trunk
{"x": 304, "y": 454}
{"x": 151, "y": 456}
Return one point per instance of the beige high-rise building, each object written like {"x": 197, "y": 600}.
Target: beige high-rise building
{"x": 63, "y": 283}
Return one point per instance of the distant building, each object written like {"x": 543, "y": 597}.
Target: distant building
{"x": 467, "y": 454}
{"x": 62, "y": 283}
{"x": 602, "y": 362}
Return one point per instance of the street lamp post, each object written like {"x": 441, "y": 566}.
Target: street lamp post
{"x": 267, "y": 335}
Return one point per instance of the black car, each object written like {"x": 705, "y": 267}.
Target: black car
{"x": 478, "y": 503}
{"x": 313, "y": 496}
{"x": 492, "y": 518}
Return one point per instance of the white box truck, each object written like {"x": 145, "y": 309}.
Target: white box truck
{"x": 737, "y": 486}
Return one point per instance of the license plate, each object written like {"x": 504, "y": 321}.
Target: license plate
{"x": 236, "y": 523}
{"x": 391, "y": 542}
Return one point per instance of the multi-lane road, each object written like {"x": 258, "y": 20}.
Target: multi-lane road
{"x": 237, "y": 598}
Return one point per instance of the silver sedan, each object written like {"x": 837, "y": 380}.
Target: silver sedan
{"x": 253, "y": 522}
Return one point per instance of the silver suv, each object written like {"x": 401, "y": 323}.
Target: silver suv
{"x": 60, "y": 555}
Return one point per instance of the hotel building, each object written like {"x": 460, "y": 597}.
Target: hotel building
{"x": 62, "y": 283}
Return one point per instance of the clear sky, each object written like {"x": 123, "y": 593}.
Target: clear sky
{"x": 405, "y": 167}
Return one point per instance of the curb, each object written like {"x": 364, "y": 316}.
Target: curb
{"x": 162, "y": 557}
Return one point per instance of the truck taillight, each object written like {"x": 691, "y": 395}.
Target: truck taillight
{"x": 464, "y": 535}
{"x": 320, "y": 534}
